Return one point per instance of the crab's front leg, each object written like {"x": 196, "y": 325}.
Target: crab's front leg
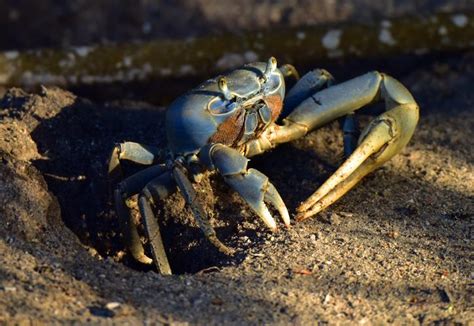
{"x": 252, "y": 185}
{"x": 384, "y": 137}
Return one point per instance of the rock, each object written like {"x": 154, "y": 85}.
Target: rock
{"x": 112, "y": 305}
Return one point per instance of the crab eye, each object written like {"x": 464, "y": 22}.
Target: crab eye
{"x": 272, "y": 84}
{"x": 219, "y": 106}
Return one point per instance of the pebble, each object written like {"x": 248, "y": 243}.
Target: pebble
{"x": 334, "y": 219}
{"x": 327, "y": 298}
{"x": 346, "y": 214}
{"x": 112, "y": 305}
{"x": 394, "y": 234}
{"x": 9, "y": 288}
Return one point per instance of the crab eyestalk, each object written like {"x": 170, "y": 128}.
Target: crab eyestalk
{"x": 224, "y": 88}
{"x": 270, "y": 68}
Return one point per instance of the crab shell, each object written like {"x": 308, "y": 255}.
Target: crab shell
{"x": 207, "y": 115}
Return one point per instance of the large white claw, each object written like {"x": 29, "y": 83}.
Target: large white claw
{"x": 380, "y": 141}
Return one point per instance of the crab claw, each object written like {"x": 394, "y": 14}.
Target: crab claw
{"x": 252, "y": 185}
{"x": 255, "y": 188}
{"x": 380, "y": 141}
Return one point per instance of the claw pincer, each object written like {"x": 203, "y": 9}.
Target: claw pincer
{"x": 224, "y": 121}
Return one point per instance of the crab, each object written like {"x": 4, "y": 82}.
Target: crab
{"x": 226, "y": 120}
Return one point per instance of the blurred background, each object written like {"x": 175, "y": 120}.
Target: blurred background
{"x": 133, "y": 48}
{"x": 29, "y": 24}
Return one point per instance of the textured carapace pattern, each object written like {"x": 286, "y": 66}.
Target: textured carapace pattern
{"x": 230, "y": 131}
{"x": 275, "y": 103}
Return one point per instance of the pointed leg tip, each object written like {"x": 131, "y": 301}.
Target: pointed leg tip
{"x": 145, "y": 260}
{"x": 166, "y": 273}
{"x": 286, "y": 219}
{"x": 301, "y": 216}
{"x": 302, "y": 207}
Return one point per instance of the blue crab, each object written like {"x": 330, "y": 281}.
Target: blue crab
{"x": 224, "y": 121}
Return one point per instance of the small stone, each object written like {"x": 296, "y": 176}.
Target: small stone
{"x": 327, "y": 298}
{"x": 334, "y": 219}
{"x": 112, "y": 305}
{"x": 346, "y": 214}
{"x": 393, "y": 234}
{"x": 217, "y": 301}
{"x": 9, "y": 288}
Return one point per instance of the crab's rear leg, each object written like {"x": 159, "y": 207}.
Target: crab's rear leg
{"x": 125, "y": 189}
{"x": 382, "y": 139}
{"x": 156, "y": 190}
{"x": 351, "y": 132}
{"x": 122, "y": 189}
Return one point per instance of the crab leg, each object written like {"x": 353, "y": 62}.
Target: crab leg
{"x": 125, "y": 189}
{"x": 190, "y": 196}
{"x": 288, "y": 70}
{"x": 252, "y": 185}
{"x": 381, "y": 140}
{"x": 157, "y": 189}
{"x": 135, "y": 152}
{"x": 307, "y": 85}
{"x": 351, "y": 134}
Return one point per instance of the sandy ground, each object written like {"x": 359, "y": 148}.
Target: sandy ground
{"x": 396, "y": 249}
